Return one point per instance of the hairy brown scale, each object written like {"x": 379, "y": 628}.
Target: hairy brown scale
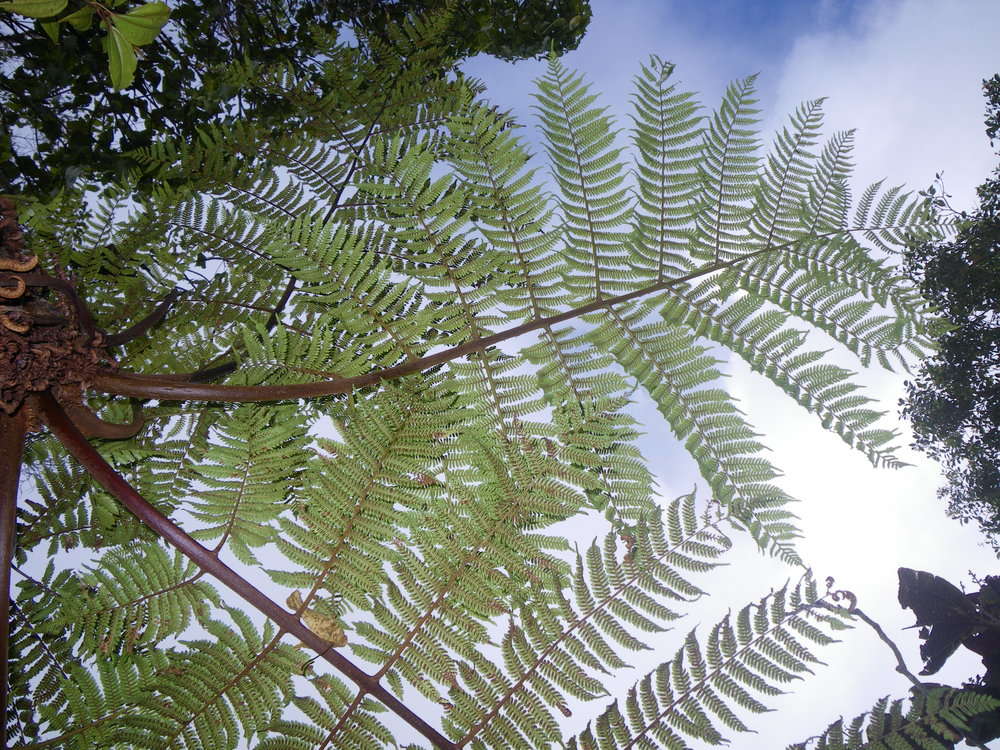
{"x": 47, "y": 339}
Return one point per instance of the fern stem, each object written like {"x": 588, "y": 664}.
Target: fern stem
{"x": 83, "y": 315}
{"x": 171, "y": 389}
{"x": 179, "y": 388}
{"x": 146, "y": 324}
{"x": 13, "y": 428}
{"x": 74, "y": 442}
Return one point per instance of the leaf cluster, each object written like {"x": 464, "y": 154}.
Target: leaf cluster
{"x": 60, "y": 120}
{"x": 954, "y": 402}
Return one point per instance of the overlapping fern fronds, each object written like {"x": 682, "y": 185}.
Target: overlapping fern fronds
{"x": 699, "y": 691}
{"x": 936, "y": 719}
{"x": 497, "y": 337}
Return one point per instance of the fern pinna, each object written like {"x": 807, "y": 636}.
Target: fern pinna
{"x": 388, "y": 362}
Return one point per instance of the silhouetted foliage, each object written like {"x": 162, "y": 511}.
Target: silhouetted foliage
{"x": 949, "y": 618}
{"x": 954, "y": 403}
{"x": 60, "y": 118}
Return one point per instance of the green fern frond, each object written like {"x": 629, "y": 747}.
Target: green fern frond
{"x": 693, "y": 695}
{"x": 784, "y": 182}
{"x": 396, "y": 233}
{"x": 594, "y": 200}
{"x": 234, "y": 685}
{"x": 245, "y": 478}
{"x": 667, "y": 136}
{"x": 761, "y": 336}
{"x": 509, "y": 211}
{"x": 729, "y": 170}
{"x": 677, "y": 374}
{"x": 133, "y": 598}
{"x": 829, "y": 195}
{"x": 340, "y": 714}
{"x": 936, "y": 719}
{"x": 562, "y": 640}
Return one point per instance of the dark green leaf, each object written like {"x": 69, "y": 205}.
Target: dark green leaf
{"x": 34, "y": 8}
{"x": 141, "y": 25}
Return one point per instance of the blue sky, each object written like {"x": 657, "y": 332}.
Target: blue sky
{"x": 906, "y": 74}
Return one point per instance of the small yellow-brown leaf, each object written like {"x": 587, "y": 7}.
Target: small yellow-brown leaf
{"x": 325, "y": 627}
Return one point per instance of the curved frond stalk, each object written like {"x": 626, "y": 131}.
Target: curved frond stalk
{"x": 288, "y": 622}
{"x": 936, "y": 719}
{"x": 13, "y": 429}
{"x": 694, "y": 695}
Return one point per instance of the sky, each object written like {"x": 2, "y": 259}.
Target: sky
{"x": 906, "y": 74}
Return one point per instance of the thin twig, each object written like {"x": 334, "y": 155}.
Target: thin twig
{"x": 900, "y": 662}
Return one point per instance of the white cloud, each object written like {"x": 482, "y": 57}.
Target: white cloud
{"x": 908, "y": 78}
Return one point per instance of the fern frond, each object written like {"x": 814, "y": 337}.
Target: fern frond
{"x": 133, "y": 598}
{"x": 784, "y": 181}
{"x": 936, "y": 719}
{"x": 352, "y": 721}
{"x": 244, "y": 479}
{"x": 693, "y": 695}
{"x": 667, "y": 135}
{"x": 595, "y": 203}
{"x": 763, "y": 339}
{"x": 561, "y": 643}
{"x": 729, "y": 172}
{"x": 234, "y": 685}
{"x": 510, "y": 212}
{"x": 676, "y": 372}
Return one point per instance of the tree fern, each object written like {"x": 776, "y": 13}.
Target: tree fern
{"x": 440, "y": 360}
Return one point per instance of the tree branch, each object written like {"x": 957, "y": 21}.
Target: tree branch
{"x": 900, "y": 662}
{"x": 205, "y": 559}
{"x": 12, "y": 431}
